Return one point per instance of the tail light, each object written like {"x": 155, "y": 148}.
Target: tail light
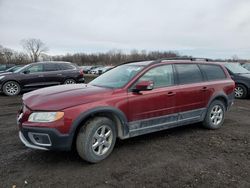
{"x": 81, "y": 72}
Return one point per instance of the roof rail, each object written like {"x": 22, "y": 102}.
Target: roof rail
{"x": 141, "y": 60}
{"x": 186, "y": 58}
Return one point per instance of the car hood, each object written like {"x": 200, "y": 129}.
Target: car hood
{"x": 60, "y": 97}
{"x": 244, "y": 75}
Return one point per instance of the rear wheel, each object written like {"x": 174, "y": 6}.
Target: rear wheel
{"x": 96, "y": 140}
{"x": 69, "y": 81}
{"x": 215, "y": 115}
{"x": 11, "y": 88}
{"x": 240, "y": 91}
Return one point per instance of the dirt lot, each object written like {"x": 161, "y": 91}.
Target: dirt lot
{"x": 189, "y": 156}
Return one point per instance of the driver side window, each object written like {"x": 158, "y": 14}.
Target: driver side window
{"x": 162, "y": 76}
{"x": 35, "y": 68}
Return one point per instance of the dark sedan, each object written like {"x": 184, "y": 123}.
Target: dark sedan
{"x": 241, "y": 76}
{"x": 40, "y": 74}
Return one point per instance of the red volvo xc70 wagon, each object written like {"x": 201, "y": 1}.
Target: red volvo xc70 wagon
{"x": 132, "y": 99}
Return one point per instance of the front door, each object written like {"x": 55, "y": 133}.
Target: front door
{"x": 33, "y": 76}
{"x": 158, "y": 102}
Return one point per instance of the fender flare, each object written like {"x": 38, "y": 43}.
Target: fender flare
{"x": 221, "y": 95}
{"x": 105, "y": 109}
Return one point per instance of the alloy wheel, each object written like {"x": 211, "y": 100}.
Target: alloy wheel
{"x": 239, "y": 92}
{"x": 12, "y": 88}
{"x": 102, "y": 140}
{"x": 216, "y": 115}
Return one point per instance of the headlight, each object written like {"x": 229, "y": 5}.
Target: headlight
{"x": 1, "y": 77}
{"x": 45, "y": 116}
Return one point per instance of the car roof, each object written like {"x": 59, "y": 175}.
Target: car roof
{"x": 175, "y": 60}
{"x": 42, "y": 62}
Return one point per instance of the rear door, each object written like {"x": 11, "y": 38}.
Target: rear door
{"x": 52, "y": 74}
{"x": 190, "y": 96}
{"x": 215, "y": 77}
{"x": 157, "y": 102}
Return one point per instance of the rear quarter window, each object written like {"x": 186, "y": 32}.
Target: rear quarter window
{"x": 66, "y": 66}
{"x": 213, "y": 72}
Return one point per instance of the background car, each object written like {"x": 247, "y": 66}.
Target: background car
{"x": 6, "y": 66}
{"x": 241, "y": 76}
{"x": 246, "y": 66}
{"x": 40, "y": 74}
{"x": 12, "y": 69}
{"x": 87, "y": 69}
{"x": 96, "y": 70}
{"x": 104, "y": 69}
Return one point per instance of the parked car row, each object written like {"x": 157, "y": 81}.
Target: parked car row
{"x": 40, "y": 74}
{"x": 98, "y": 70}
{"x": 4, "y": 67}
{"x": 12, "y": 69}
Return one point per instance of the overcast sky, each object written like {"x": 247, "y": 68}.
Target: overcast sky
{"x": 202, "y": 28}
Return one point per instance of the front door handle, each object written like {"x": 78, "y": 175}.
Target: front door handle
{"x": 40, "y": 76}
{"x": 204, "y": 89}
{"x": 59, "y": 74}
{"x": 171, "y": 93}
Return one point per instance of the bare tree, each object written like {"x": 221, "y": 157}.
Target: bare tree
{"x": 34, "y": 47}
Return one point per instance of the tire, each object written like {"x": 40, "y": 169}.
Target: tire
{"x": 91, "y": 144}
{"x": 70, "y": 81}
{"x": 11, "y": 88}
{"x": 215, "y": 115}
{"x": 240, "y": 91}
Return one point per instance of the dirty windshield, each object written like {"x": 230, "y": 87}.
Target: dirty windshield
{"x": 117, "y": 77}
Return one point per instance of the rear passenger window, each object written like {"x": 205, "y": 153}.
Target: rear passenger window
{"x": 213, "y": 72}
{"x": 51, "y": 67}
{"x": 188, "y": 73}
{"x": 162, "y": 76}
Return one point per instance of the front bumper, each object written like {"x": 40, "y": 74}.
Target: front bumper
{"x": 45, "y": 139}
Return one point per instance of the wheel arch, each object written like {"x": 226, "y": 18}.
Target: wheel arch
{"x": 222, "y": 97}
{"x": 112, "y": 113}
{"x": 11, "y": 80}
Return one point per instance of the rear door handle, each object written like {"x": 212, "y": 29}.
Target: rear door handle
{"x": 171, "y": 93}
{"x": 59, "y": 74}
{"x": 204, "y": 89}
{"x": 40, "y": 76}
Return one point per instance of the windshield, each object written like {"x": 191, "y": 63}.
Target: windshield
{"x": 117, "y": 77}
{"x": 13, "y": 69}
{"x": 21, "y": 69}
{"x": 236, "y": 68}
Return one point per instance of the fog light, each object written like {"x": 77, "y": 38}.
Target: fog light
{"x": 40, "y": 139}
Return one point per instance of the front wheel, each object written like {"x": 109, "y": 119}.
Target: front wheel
{"x": 11, "y": 88}
{"x": 215, "y": 115}
{"x": 96, "y": 140}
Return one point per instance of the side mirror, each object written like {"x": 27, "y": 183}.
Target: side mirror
{"x": 26, "y": 72}
{"x": 144, "y": 86}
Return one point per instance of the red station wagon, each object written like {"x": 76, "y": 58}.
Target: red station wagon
{"x": 132, "y": 99}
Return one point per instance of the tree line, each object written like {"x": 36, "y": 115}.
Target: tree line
{"x": 35, "y": 50}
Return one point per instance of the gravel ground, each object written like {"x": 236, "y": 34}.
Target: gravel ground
{"x": 188, "y": 156}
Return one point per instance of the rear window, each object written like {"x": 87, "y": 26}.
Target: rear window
{"x": 66, "y": 66}
{"x": 213, "y": 72}
{"x": 188, "y": 73}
